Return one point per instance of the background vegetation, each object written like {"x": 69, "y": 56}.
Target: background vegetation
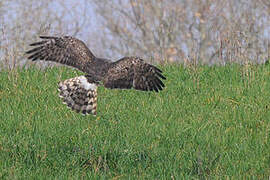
{"x": 186, "y": 31}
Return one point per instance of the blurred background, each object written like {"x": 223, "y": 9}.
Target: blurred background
{"x": 160, "y": 31}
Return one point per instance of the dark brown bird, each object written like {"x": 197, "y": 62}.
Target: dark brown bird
{"x": 80, "y": 93}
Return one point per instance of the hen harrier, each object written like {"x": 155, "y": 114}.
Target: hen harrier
{"x": 80, "y": 93}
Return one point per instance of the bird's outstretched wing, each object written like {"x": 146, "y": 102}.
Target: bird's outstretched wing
{"x": 133, "y": 72}
{"x": 65, "y": 50}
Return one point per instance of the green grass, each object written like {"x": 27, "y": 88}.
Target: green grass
{"x": 211, "y": 122}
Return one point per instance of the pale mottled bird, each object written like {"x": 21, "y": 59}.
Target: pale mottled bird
{"x": 80, "y": 93}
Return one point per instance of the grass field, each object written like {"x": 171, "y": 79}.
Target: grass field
{"x": 209, "y": 122}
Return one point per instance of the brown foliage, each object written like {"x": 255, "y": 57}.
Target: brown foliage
{"x": 189, "y": 31}
{"x": 24, "y": 20}
{"x": 208, "y": 31}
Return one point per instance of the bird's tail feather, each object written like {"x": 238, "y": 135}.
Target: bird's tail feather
{"x": 79, "y": 94}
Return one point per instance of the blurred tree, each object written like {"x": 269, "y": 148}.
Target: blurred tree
{"x": 189, "y": 31}
{"x": 208, "y": 31}
{"x": 25, "y": 20}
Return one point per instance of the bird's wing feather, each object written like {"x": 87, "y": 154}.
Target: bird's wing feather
{"x": 133, "y": 72}
{"x": 79, "y": 94}
{"x": 65, "y": 50}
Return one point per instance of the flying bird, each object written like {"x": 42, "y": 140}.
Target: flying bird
{"x": 80, "y": 93}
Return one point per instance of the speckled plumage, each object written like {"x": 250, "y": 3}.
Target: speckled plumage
{"x": 80, "y": 93}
